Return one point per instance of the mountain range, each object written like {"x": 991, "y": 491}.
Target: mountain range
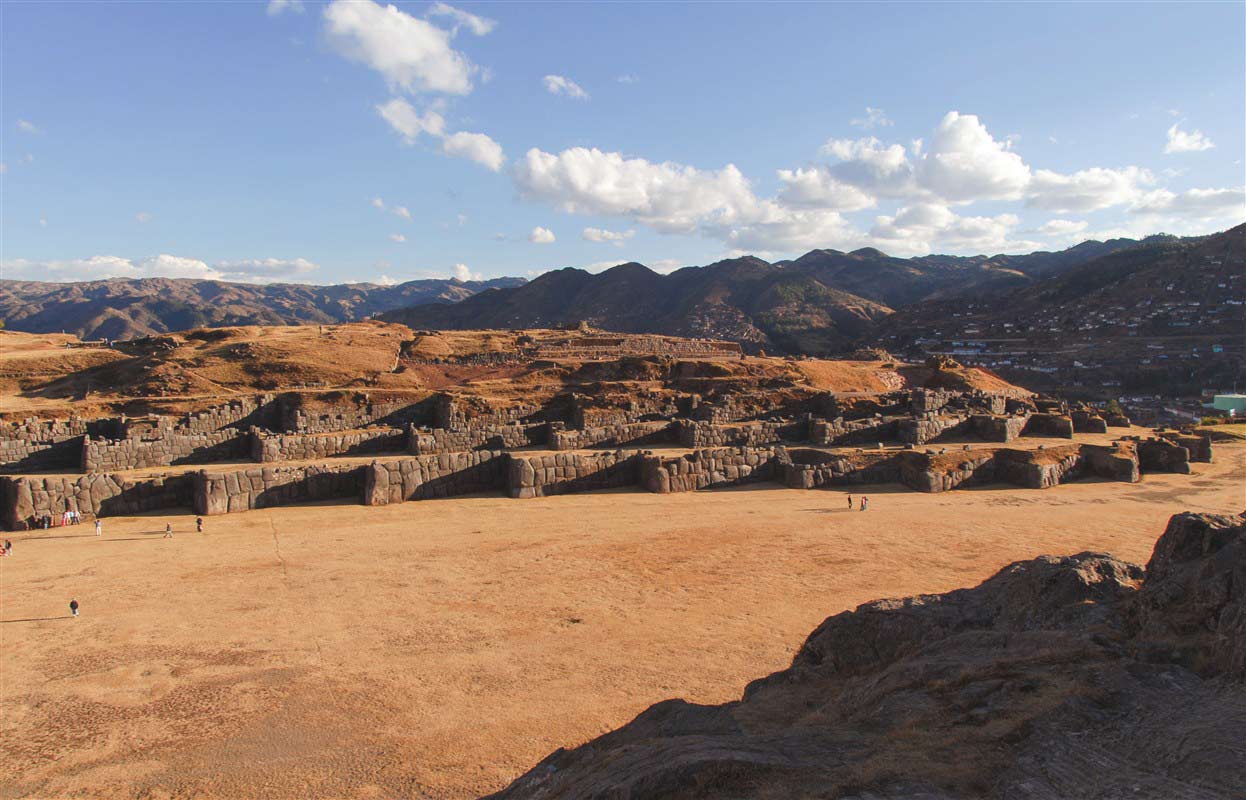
{"x": 121, "y": 308}
{"x": 819, "y": 303}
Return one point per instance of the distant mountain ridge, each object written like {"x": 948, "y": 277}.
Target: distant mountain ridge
{"x": 819, "y": 303}
{"x": 124, "y": 308}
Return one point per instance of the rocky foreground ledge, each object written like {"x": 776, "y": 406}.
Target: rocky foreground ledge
{"x": 1057, "y": 679}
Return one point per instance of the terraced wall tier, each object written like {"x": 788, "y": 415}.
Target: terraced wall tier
{"x": 269, "y": 448}
{"x": 26, "y": 499}
{"x": 431, "y": 476}
{"x": 232, "y": 491}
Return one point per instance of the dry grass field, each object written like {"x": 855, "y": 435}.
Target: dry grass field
{"x": 438, "y": 649}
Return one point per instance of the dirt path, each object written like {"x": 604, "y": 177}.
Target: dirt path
{"x": 438, "y": 649}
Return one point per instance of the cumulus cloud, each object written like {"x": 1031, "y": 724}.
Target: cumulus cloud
{"x": 278, "y": 7}
{"x": 26, "y": 126}
{"x": 409, "y": 123}
{"x": 816, "y": 187}
{"x": 463, "y": 273}
{"x": 142, "y": 216}
{"x": 541, "y": 235}
{"x": 557, "y": 84}
{"x": 964, "y": 162}
{"x": 397, "y": 237}
{"x": 378, "y": 203}
{"x": 1088, "y": 189}
{"x": 1203, "y": 204}
{"x": 385, "y": 280}
{"x": 603, "y": 236}
{"x": 164, "y": 265}
{"x": 1180, "y": 141}
{"x": 480, "y": 26}
{"x": 627, "y": 78}
{"x": 402, "y": 211}
{"x": 874, "y": 118}
{"x": 1062, "y": 227}
{"x": 928, "y": 227}
{"x": 412, "y": 54}
{"x": 476, "y": 147}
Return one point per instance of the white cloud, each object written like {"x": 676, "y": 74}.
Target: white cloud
{"x": 874, "y": 118}
{"x": 541, "y": 235}
{"x": 627, "y": 78}
{"x": 397, "y": 237}
{"x": 1203, "y": 204}
{"x": 480, "y": 26}
{"x": 964, "y": 162}
{"x": 557, "y": 84}
{"x": 402, "y": 211}
{"x": 385, "y": 280}
{"x": 930, "y": 227}
{"x": 277, "y": 7}
{"x": 816, "y": 187}
{"x": 1062, "y": 227}
{"x": 1180, "y": 141}
{"x": 603, "y": 236}
{"x": 462, "y": 220}
{"x": 411, "y": 124}
{"x": 26, "y": 126}
{"x": 408, "y": 122}
{"x": 43, "y": 222}
{"x": 265, "y": 270}
{"x": 476, "y": 147}
{"x": 878, "y": 170}
{"x": 142, "y": 216}
{"x": 101, "y": 267}
{"x": 378, "y": 203}
{"x": 1088, "y": 189}
{"x": 464, "y": 274}
{"x": 412, "y": 54}
{"x": 669, "y": 197}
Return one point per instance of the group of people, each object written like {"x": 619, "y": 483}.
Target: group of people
{"x": 67, "y": 518}
{"x": 864, "y": 503}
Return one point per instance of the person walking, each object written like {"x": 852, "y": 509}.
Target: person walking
{"x": 168, "y": 530}
{"x": 73, "y": 606}
{"x": 850, "y": 502}
{"x": 865, "y": 503}
{"x": 99, "y": 527}
{"x": 8, "y": 547}
{"x": 199, "y": 524}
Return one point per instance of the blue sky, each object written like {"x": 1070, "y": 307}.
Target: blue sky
{"x": 352, "y": 141}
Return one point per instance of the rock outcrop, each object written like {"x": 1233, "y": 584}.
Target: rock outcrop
{"x": 1058, "y": 679}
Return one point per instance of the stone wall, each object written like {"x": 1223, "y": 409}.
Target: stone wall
{"x": 839, "y": 432}
{"x": 260, "y": 411}
{"x": 1161, "y": 455}
{"x": 222, "y": 492}
{"x": 810, "y": 469}
{"x": 27, "y": 498}
{"x": 1049, "y": 425}
{"x": 26, "y": 455}
{"x": 929, "y": 427}
{"x": 348, "y": 416}
{"x": 1199, "y": 445}
{"x": 633, "y": 434}
{"x": 460, "y": 413}
{"x": 107, "y": 455}
{"x": 485, "y": 437}
{"x": 991, "y": 428}
{"x": 707, "y": 469}
{"x": 565, "y": 473}
{"x": 431, "y": 476}
{"x": 1087, "y": 422}
{"x": 267, "y": 448}
{"x": 751, "y": 434}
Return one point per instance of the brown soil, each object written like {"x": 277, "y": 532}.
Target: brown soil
{"x": 439, "y": 649}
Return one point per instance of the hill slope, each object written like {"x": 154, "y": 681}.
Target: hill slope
{"x": 744, "y": 299}
{"x": 1058, "y": 679}
{"x": 124, "y": 309}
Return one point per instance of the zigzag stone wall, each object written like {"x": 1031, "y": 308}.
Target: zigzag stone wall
{"x": 269, "y": 448}
{"x": 432, "y": 476}
{"x": 27, "y": 498}
{"x": 707, "y": 469}
{"x": 222, "y": 492}
{"x": 629, "y": 434}
{"x": 565, "y": 473}
{"x": 107, "y": 455}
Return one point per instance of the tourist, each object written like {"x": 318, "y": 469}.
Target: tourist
{"x": 199, "y": 524}
{"x": 865, "y": 503}
{"x": 849, "y": 502}
{"x": 73, "y": 606}
{"x": 168, "y": 530}
{"x": 8, "y": 547}
{"x": 99, "y": 527}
